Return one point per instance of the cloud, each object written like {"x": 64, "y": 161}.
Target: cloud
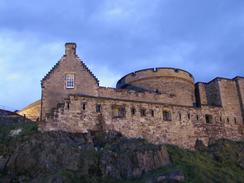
{"x": 114, "y": 38}
{"x": 24, "y": 61}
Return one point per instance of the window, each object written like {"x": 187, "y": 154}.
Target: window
{"x": 220, "y": 118}
{"x": 209, "y": 118}
{"x": 166, "y": 116}
{"x": 133, "y": 111}
{"x": 118, "y": 111}
{"x": 70, "y": 81}
{"x": 189, "y": 116}
{"x": 152, "y": 112}
{"x": 84, "y": 106}
{"x": 235, "y": 120}
{"x": 228, "y": 120}
{"x": 179, "y": 114}
{"x": 67, "y": 105}
{"x": 98, "y": 108}
{"x": 197, "y": 117}
{"x": 143, "y": 112}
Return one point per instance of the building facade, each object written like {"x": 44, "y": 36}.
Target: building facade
{"x": 162, "y": 105}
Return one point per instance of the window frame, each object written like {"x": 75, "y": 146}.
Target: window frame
{"x": 69, "y": 80}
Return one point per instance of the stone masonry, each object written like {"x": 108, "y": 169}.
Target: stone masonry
{"x": 162, "y": 105}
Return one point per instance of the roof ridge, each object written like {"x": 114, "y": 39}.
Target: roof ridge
{"x": 57, "y": 64}
{"x": 87, "y": 69}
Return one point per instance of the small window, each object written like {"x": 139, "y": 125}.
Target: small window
{"x": 179, "y": 114}
{"x": 67, "y": 105}
{"x": 228, "y": 120}
{"x": 166, "y": 116}
{"x": 98, "y": 108}
{"x": 70, "y": 81}
{"x": 209, "y": 118}
{"x": 235, "y": 120}
{"x": 133, "y": 111}
{"x": 197, "y": 118}
{"x": 220, "y": 118}
{"x": 84, "y": 106}
{"x": 143, "y": 112}
{"x": 189, "y": 116}
{"x": 152, "y": 112}
{"x": 118, "y": 111}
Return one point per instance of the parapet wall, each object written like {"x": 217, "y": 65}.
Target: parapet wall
{"x": 183, "y": 126}
{"x": 176, "y": 83}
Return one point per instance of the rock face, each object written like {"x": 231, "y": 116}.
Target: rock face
{"x": 94, "y": 153}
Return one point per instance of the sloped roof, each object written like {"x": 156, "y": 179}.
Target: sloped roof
{"x": 58, "y": 63}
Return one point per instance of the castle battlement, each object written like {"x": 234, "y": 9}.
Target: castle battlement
{"x": 162, "y": 105}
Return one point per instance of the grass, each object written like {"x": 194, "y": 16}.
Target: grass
{"x": 8, "y": 142}
{"x": 222, "y": 162}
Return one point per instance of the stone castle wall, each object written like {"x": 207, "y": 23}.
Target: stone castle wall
{"x": 53, "y": 85}
{"x": 176, "y": 83}
{"x": 185, "y": 126}
{"x": 162, "y": 105}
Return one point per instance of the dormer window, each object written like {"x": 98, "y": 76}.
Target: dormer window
{"x": 70, "y": 81}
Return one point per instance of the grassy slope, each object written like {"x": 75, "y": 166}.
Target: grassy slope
{"x": 220, "y": 163}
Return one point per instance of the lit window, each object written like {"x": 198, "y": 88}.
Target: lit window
{"x": 70, "y": 80}
{"x": 118, "y": 111}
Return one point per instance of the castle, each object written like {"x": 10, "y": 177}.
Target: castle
{"x": 162, "y": 105}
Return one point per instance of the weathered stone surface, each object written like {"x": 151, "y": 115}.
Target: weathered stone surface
{"x": 203, "y": 111}
{"x": 185, "y": 127}
{"x": 97, "y": 154}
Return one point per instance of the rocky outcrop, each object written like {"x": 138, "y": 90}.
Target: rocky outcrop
{"x": 94, "y": 154}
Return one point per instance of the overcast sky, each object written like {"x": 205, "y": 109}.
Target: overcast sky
{"x": 115, "y": 37}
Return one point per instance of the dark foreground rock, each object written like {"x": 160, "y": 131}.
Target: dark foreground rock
{"x": 92, "y": 154}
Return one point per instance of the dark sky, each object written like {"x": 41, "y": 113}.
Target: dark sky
{"x": 115, "y": 37}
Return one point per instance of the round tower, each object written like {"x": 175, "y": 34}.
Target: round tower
{"x": 175, "y": 83}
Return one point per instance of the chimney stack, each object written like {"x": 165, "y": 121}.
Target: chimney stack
{"x": 70, "y": 49}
